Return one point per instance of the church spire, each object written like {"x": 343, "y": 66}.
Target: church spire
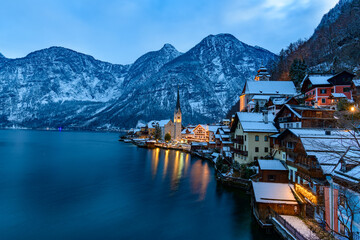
{"x": 178, "y": 108}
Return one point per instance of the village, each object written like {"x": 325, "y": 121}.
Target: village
{"x": 296, "y": 151}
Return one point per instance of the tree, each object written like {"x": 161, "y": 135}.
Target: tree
{"x": 297, "y": 71}
{"x": 157, "y": 132}
{"x": 167, "y": 137}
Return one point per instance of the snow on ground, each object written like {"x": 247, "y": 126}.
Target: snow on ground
{"x": 299, "y": 225}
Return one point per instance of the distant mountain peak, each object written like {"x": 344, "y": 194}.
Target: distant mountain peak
{"x": 168, "y": 46}
{"x": 2, "y": 56}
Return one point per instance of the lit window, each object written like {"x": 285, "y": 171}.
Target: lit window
{"x": 323, "y": 91}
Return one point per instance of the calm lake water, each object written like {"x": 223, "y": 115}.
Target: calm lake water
{"x": 84, "y": 185}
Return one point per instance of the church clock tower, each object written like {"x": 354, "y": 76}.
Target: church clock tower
{"x": 177, "y": 119}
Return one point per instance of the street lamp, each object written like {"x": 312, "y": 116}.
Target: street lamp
{"x": 352, "y": 109}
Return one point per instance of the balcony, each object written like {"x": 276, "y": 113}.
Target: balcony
{"x": 284, "y": 119}
{"x": 239, "y": 140}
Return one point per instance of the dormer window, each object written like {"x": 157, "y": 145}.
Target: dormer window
{"x": 343, "y": 166}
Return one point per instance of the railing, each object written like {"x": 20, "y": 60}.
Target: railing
{"x": 235, "y": 150}
{"x": 295, "y": 233}
{"x": 239, "y": 140}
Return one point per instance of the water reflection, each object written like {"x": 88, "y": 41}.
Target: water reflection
{"x": 155, "y": 161}
{"x": 200, "y": 178}
{"x": 176, "y": 165}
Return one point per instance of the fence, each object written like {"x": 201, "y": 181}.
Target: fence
{"x": 295, "y": 233}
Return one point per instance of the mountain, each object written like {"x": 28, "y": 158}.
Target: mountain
{"x": 60, "y": 87}
{"x": 56, "y": 86}
{"x": 210, "y": 77}
{"x": 334, "y": 45}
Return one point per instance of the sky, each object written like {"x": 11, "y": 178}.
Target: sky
{"x": 123, "y": 30}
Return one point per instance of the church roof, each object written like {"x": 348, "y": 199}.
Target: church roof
{"x": 178, "y": 108}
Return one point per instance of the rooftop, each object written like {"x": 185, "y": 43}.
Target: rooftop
{"x": 271, "y": 88}
{"x": 271, "y": 165}
{"x": 279, "y": 193}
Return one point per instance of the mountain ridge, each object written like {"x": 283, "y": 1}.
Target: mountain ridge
{"x": 58, "y": 86}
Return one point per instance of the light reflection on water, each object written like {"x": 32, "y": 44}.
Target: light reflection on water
{"x": 176, "y": 165}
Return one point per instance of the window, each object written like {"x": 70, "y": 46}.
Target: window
{"x": 256, "y": 149}
{"x": 323, "y": 100}
{"x": 266, "y": 149}
{"x": 332, "y": 90}
{"x": 256, "y": 138}
{"x": 323, "y": 91}
{"x": 245, "y": 138}
{"x": 266, "y": 138}
{"x": 346, "y": 89}
{"x": 290, "y": 145}
{"x": 271, "y": 178}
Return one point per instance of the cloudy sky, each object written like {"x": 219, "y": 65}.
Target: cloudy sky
{"x": 119, "y": 31}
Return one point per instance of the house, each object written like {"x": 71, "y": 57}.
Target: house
{"x": 276, "y": 196}
{"x": 311, "y": 154}
{"x": 166, "y": 126}
{"x": 222, "y": 138}
{"x": 259, "y": 92}
{"x": 342, "y": 196}
{"x": 355, "y": 90}
{"x": 318, "y": 87}
{"x": 272, "y": 171}
{"x": 275, "y": 104}
{"x": 296, "y": 116}
{"x": 250, "y": 133}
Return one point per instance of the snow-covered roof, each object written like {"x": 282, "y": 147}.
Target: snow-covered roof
{"x": 259, "y": 127}
{"x": 271, "y": 88}
{"x": 356, "y": 82}
{"x": 279, "y": 193}
{"x": 338, "y": 95}
{"x": 161, "y": 123}
{"x": 279, "y": 101}
{"x": 320, "y": 133}
{"x": 261, "y": 97}
{"x": 271, "y": 165}
{"x": 317, "y": 79}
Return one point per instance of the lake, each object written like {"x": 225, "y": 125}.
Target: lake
{"x": 87, "y": 185}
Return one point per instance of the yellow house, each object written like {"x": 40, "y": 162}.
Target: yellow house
{"x": 251, "y": 136}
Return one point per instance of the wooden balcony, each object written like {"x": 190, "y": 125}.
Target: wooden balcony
{"x": 239, "y": 140}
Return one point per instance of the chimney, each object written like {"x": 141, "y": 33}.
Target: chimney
{"x": 265, "y": 116}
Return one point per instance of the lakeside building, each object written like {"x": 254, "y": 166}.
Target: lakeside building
{"x": 342, "y": 196}
{"x": 166, "y": 126}
{"x": 260, "y": 91}
{"x": 319, "y": 87}
{"x": 250, "y": 134}
{"x": 310, "y": 155}
{"x": 272, "y": 171}
{"x": 272, "y": 196}
{"x": 297, "y": 116}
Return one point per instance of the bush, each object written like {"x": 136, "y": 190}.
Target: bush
{"x": 167, "y": 137}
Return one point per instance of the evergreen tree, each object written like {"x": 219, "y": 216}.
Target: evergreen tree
{"x": 298, "y": 71}
{"x": 157, "y": 132}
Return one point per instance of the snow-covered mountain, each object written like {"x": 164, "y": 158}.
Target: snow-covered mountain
{"x": 210, "y": 77}
{"x": 60, "y": 87}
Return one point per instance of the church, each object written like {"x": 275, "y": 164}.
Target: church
{"x": 177, "y": 119}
